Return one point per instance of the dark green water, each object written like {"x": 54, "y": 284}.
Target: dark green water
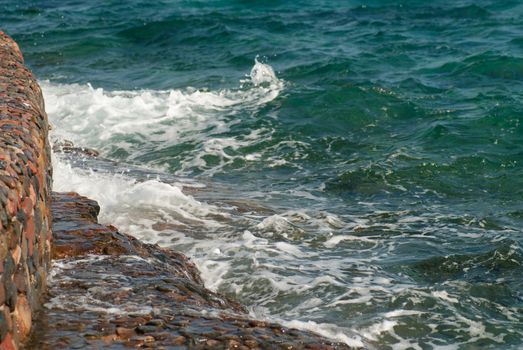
{"x": 373, "y": 186}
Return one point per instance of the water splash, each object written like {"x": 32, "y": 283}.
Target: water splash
{"x": 263, "y": 73}
{"x": 132, "y": 124}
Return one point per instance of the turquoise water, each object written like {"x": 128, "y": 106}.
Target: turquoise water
{"x": 366, "y": 184}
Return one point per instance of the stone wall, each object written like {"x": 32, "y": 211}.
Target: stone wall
{"x": 25, "y": 184}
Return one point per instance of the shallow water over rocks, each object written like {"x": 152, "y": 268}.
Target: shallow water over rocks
{"x": 109, "y": 290}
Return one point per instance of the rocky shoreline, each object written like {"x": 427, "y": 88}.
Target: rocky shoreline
{"x": 105, "y": 289}
{"x": 109, "y": 290}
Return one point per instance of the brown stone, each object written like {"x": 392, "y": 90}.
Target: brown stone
{"x": 125, "y": 333}
{"x": 255, "y": 323}
{"x": 318, "y": 347}
{"x": 147, "y": 338}
{"x": 8, "y": 343}
{"x": 23, "y": 316}
{"x": 30, "y": 234}
{"x": 20, "y": 281}
{"x": 251, "y": 343}
{"x": 2, "y": 294}
{"x": 179, "y": 340}
{"x": 16, "y": 253}
{"x": 233, "y": 344}
{"x": 212, "y": 342}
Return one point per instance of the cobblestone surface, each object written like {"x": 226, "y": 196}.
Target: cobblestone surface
{"x": 25, "y": 182}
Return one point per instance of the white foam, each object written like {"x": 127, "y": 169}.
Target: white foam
{"x": 335, "y": 240}
{"x": 262, "y": 73}
{"x": 279, "y": 225}
{"x": 213, "y": 272}
{"x": 363, "y": 299}
{"x": 334, "y": 221}
{"x": 401, "y": 313}
{"x": 141, "y": 121}
{"x": 327, "y": 330}
{"x": 134, "y": 207}
{"x": 444, "y": 296}
{"x": 289, "y": 249}
{"x": 374, "y": 331}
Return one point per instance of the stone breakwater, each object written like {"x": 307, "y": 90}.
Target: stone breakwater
{"x": 105, "y": 289}
{"x": 25, "y": 184}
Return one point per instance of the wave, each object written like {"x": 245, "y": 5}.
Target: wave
{"x": 497, "y": 264}
{"x": 146, "y": 124}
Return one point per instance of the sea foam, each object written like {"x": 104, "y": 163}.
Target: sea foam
{"x": 136, "y": 123}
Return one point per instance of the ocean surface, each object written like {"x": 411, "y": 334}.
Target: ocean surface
{"x": 349, "y": 167}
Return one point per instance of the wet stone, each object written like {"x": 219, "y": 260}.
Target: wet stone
{"x": 213, "y": 343}
{"x": 161, "y": 336}
{"x": 155, "y": 322}
{"x": 179, "y": 340}
{"x": 125, "y": 333}
{"x": 145, "y": 329}
{"x": 163, "y": 289}
{"x": 251, "y": 343}
{"x": 149, "y": 296}
{"x": 233, "y": 344}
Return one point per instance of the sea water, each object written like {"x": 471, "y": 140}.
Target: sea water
{"x": 348, "y": 167}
